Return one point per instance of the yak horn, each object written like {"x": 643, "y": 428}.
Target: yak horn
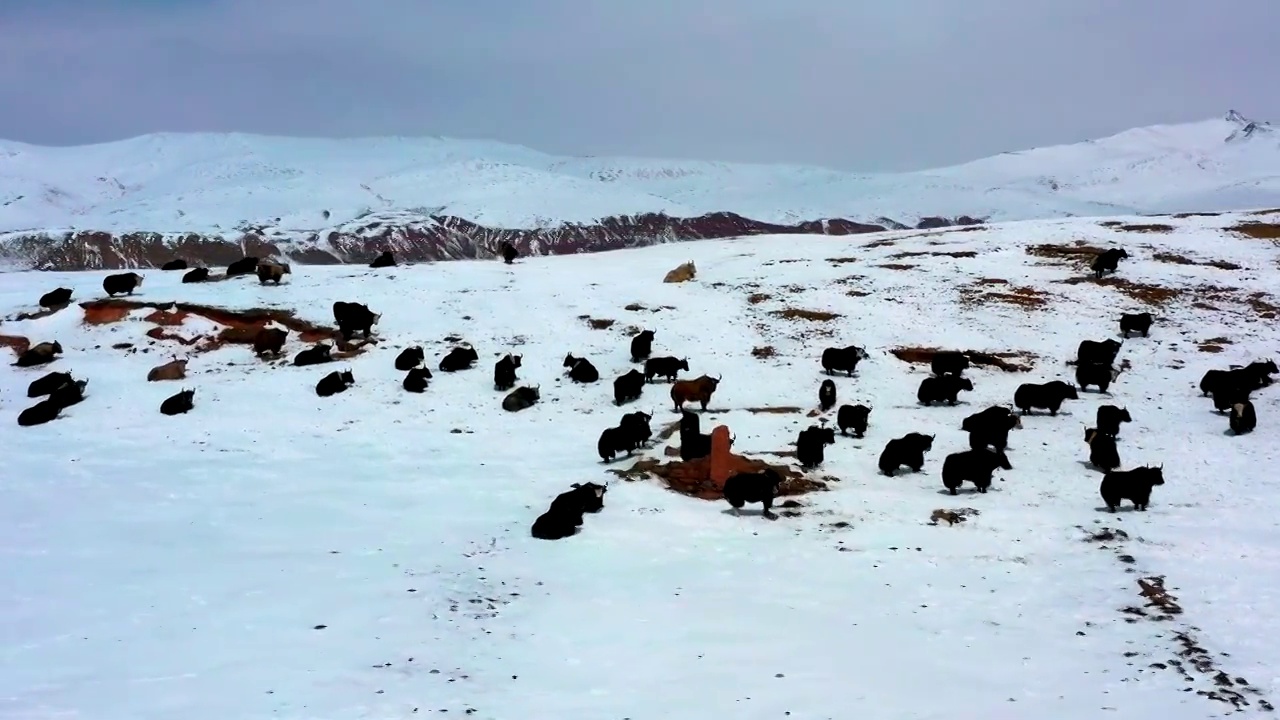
{"x": 719, "y": 377}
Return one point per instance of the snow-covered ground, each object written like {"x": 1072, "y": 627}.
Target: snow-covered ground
{"x": 216, "y": 183}
{"x": 277, "y": 554}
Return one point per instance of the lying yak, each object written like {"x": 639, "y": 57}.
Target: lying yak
{"x": 55, "y": 298}
{"x": 39, "y": 354}
{"x": 580, "y": 369}
{"x": 196, "y": 275}
{"x": 334, "y": 383}
{"x": 416, "y": 380}
{"x": 520, "y": 399}
{"x": 179, "y": 403}
{"x": 246, "y": 265}
{"x": 384, "y": 260}
{"x": 315, "y": 355}
{"x": 410, "y": 358}
{"x": 177, "y": 264}
{"x": 459, "y": 358}
{"x": 563, "y": 518}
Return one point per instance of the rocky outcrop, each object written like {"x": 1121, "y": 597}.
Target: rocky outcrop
{"x": 411, "y": 238}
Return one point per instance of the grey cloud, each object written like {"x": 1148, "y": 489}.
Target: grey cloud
{"x": 871, "y": 86}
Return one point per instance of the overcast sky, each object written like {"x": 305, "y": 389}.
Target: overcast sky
{"x": 863, "y": 85}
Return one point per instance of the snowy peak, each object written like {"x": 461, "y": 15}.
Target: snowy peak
{"x": 1246, "y": 128}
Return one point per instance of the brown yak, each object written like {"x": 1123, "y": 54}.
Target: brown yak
{"x": 173, "y": 370}
{"x": 269, "y": 340}
{"x": 269, "y": 271}
{"x": 700, "y": 390}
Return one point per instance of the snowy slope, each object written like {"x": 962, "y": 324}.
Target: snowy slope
{"x": 210, "y": 183}
{"x": 367, "y": 555}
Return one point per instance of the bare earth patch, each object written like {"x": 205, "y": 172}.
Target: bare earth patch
{"x": 1176, "y": 259}
{"x": 775, "y": 410}
{"x": 1081, "y": 254}
{"x": 763, "y": 352}
{"x": 799, "y": 314}
{"x": 1213, "y": 345}
{"x": 238, "y": 325}
{"x": 1185, "y": 215}
{"x": 1007, "y": 361}
{"x": 883, "y": 242}
{"x": 1147, "y": 228}
{"x": 841, "y": 260}
{"x": 1257, "y": 230}
{"x": 757, "y": 298}
{"x": 934, "y": 253}
{"x": 1142, "y": 292}
{"x": 1021, "y": 296}
{"x": 896, "y": 266}
{"x": 597, "y": 323}
{"x": 16, "y": 343}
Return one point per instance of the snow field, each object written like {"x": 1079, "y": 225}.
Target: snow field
{"x": 178, "y": 567}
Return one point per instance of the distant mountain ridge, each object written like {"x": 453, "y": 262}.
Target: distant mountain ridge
{"x": 213, "y": 197}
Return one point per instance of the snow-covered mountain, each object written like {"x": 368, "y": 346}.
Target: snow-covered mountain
{"x": 338, "y": 196}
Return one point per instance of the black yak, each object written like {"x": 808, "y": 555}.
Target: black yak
{"x": 1135, "y": 485}
{"x": 504, "y": 372}
{"x": 459, "y": 358}
{"x": 121, "y": 283}
{"x": 641, "y": 345}
{"x": 384, "y": 260}
{"x": 827, "y": 395}
{"x": 270, "y": 340}
{"x": 196, "y": 275}
{"x": 39, "y": 354}
{"x": 179, "y": 403}
{"x": 1107, "y": 261}
{"x": 853, "y": 417}
{"x": 415, "y": 381}
{"x": 1135, "y": 322}
{"x": 810, "y": 445}
{"x": 1243, "y": 418}
{"x": 974, "y": 466}
{"x": 636, "y": 426}
{"x": 613, "y": 441}
{"x": 47, "y": 383}
{"x": 520, "y": 399}
{"x": 907, "y": 450}
{"x": 668, "y": 367}
{"x": 759, "y": 487}
{"x": 1047, "y": 396}
{"x": 990, "y": 428}
{"x": 580, "y": 369}
{"x": 1253, "y": 376}
{"x": 843, "y": 359}
{"x": 40, "y": 413}
{"x": 55, "y": 298}
{"x": 1094, "y": 351}
{"x": 1102, "y": 449}
{"x": 944, "y": 388}
{"x": 564, "y": 516}
{"x": 1100, "y": 374}
{"x": 178, "y": 264}
{"x": 334, "y": 383}
{"x": 354, "y": 317}
{"x": 1110, "y": 417}
{"x": 509, "y": 252}
{"x": 69, "y": 394}
{"x": 949, "y": 362}
{"x": 314, "y": 355}
{"x": 1227, "y": 395}
{"x": 246, "y": 265}
{"x": 628, "y": 386}
{"x": 693, "y": 443}
{"x": 410, "y": 358}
